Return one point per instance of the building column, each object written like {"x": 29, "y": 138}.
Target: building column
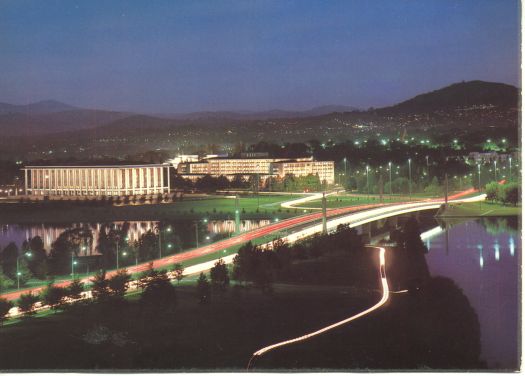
{"x": 119, "y": 181}
{"x": 162, "y": 180}
{"x": 126, "y": 180}
{"x": 141, "y": 178}
{"x": 169, "y": 187}
{"x": 25, "y": 181}
{"x": 156, "y": 179}
{"x": 148, "y": 179}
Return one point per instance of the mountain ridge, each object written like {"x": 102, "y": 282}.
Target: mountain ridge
{"x": 46, "y": 117}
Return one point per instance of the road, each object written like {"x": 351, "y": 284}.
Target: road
{"x": 384, "y": 299}
{"x": 366, "y": 213}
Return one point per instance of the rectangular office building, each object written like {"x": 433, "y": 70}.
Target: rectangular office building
{"x": 97, "y": 180}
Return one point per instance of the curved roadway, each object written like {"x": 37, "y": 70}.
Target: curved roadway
{"x": 384, "y": 298}
{"x": 364, "y": 215}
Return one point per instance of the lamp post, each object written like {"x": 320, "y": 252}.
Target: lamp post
{"x": 390, "y": 177}
{"x": 73, "y": 263}
{"x": 28, "y": 254}
{"x": 510, "y": 167}
{"x": 168, "y": 229}
{"x": 495, "y": 167}
{"x": 428, "y": 173}
{"x": 344, "y": 160}
{"x": 479, "y": 176}
{"x": 410, "y": 178}
{"x": 367, "y": 184}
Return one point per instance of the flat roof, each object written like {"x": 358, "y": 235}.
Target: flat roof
{"x": 98, "y": 166}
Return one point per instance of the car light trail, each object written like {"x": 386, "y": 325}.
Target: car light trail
{"x": 384, "y": 298}
{"x": 365, "y": 213}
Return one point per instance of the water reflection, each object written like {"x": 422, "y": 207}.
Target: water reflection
{"x": 18, "y": 233}
{"x": 482, "y": 263}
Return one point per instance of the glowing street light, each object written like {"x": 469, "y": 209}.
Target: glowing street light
{"x": 390, "y": 177}
{"x": 18, "y": 273}
{"x": 410, "y": 178}
{"x": 73, "y": 263}
{"x": 495, "y": 167}
{"x": 367, "y": 183}
{"x": 479, "y": 176}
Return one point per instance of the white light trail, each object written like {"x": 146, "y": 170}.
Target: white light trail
{"x": 384, "y": 298}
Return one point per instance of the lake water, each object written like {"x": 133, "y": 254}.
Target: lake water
{"x": 482, "y": 256}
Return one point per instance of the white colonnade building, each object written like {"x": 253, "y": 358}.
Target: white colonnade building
{"x": 117, "y": 180}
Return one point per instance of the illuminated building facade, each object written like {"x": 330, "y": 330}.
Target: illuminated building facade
{"x": 97, "y": 180}
{"x": 264, "y": 167}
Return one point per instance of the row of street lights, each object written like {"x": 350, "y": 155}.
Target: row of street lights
{"x": 427, "y": 173}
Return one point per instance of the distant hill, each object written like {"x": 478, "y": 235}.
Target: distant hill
{"x": 261, "y": 115}
{"x": 488, "y": 105}
{"x": 42, "y": 107}
{"x": 50, "y": 117}
{"x": 461, "y": 95}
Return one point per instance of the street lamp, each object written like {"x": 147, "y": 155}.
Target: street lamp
{"x": 344, "y": 160}
{"x": 18, "y": 274}
{"x": 73, "y": 263}
{"x": 367, "y": 184}
{"x": 427, "y": 168}
{"x": 479, "y": 176}
{"x": 410, "y": 178}
{"x": 510, "y": 167}
{"x": 495, "y": 167}
{"x": 390, "y": 177}
{"x": 168, "y": 229}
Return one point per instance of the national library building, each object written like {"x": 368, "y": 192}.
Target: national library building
{"x": 97, "y": 180}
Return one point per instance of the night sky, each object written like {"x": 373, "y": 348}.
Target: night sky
{"x": 179, "y": 56}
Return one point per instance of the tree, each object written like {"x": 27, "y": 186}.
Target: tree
{"x": 8, "y": 260}
{"x": 23, "y": 274}
{"x": 203, "y": 289}
{"x": 255, "y": 265}
{"x": 100, "y": 289}
{"x": 4, "y": 280}
{"x": 179, "y": 272}
{"x": 66, "y": 246}
{"x": 159, "y": 292}
{"x": 75, "y": 289}
{"x": 54, "y": 296}
{"x": 433, "y": 188}
{"x": 492, "y": 190}
{"x": 26, "y": 303}
{"x": 119, "y": 283}
{"x": 5, "y": 307}
{"x": 145, "y": 276}
{"x": 148, "y": 246}
{"x": 510, "y": 193}
{"x": 219, "y": 275}
{"x": 37, "y": 263}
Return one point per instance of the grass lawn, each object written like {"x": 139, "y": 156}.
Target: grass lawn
{"x": 480, "y": 209}
{"x": 214, "y": 207}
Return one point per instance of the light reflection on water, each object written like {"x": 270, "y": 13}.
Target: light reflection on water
{"x": 481, "y": 260}
{"x": 18, "y": 233}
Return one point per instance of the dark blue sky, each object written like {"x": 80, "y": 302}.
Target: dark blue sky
{"x": 178, "y": 56}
